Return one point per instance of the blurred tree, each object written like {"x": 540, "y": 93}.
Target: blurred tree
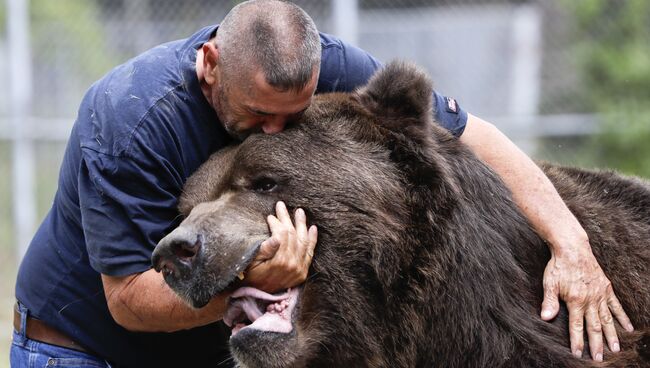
{"x": 614, "y": 53}
{"x": 71, "y": 48}
{"x": 75, "y": 22}
{"x": 3, "y": 20}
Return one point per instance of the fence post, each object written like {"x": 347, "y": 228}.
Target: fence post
{"x": 526, "y": 71}
{"x": 345, "y": 16}
{"x": 20, "y": 74}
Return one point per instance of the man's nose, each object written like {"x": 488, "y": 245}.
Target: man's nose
{"x": 274, "y": 124}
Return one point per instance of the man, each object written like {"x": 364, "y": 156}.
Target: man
{"x": 86, "y": 282}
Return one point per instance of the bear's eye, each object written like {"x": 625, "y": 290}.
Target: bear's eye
{"x": 264, "y": 185}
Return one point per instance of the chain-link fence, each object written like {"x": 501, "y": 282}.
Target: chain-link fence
{"x": 530, "y": 67}
{"x": 471, "y": 48}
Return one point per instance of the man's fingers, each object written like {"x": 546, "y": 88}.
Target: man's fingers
{"x": 595, "y": 333}
{"x": 609, "y": 330}
{"x": 311, "y": 243}
{"x": 313, "y": 235}
{"x": 306, "y": 237}
{"x": 551, "y": 304}
{"x": 283, "y": 229}
{"x": 268, "y": 249}
{"x": 301, "y": 224}
{"x": 274, "y": 223}
{"x": 617, "y": 310}
{"x": 282, "y": 213}
{"x": 576, "y": 329}
{"x": 278, "y": 229}
{"x": 284, "y": 258}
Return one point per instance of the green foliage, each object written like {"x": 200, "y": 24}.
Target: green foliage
{"x": 614, "y": 53}
{"x": 623, "y": 141}
{"x": 72, "y": 20}
{"x": 3, "y": 18}
{"x": 75, "y": 24}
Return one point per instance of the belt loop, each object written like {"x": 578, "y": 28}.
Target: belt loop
{"x": 23, "y": 319}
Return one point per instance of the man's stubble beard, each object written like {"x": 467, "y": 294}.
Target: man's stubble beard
{"x": 222, "y": 107}
{"x": 229, "y": 123}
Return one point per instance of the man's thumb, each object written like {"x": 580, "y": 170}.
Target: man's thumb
{"x": 551, "y": 304}
{"x": 268, "y": 248}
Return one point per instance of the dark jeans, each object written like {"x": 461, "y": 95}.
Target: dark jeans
{"x": 28, "y": 353}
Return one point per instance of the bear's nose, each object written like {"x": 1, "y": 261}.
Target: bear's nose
{"x": 177, "y": 252}
{"x": 184, "y": 249}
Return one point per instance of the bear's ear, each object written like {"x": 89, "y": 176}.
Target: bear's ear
{"x": 400, "y": 90}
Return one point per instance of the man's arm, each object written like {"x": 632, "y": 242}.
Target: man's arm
{"x": 573, "y": 272}
{"x": 144, "y": 303}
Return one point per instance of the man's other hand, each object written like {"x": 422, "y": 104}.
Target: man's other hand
{"x": 283, "y": 259}
{"x": 578, "y": 280}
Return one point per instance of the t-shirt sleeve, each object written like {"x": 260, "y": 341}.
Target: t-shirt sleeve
{"x": 128, "y": 203}
{"x": 449, "y": 114}
{"x": 357, "y": 66}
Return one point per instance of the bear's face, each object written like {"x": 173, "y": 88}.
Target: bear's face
{"x": 349, "y": 163}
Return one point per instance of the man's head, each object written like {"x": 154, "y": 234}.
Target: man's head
{"x": 262, "y": 68}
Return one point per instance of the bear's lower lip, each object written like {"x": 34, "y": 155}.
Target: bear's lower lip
{"x": 255, "y": 309}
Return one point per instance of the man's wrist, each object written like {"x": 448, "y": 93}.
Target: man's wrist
{"x": 576, "y": 243}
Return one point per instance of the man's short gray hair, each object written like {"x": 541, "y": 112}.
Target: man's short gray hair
{"x": 273, "y": 36}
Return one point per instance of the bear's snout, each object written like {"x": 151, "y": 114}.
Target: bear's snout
{"x": 208, "y": 251}
{"x": 177, "y": 253}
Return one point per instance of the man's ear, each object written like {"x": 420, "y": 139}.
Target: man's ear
{"x": 399, "y": 90}
{"x": 210, "y": 61}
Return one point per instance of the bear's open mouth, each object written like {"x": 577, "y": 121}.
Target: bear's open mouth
{"x": 253, "y": 308}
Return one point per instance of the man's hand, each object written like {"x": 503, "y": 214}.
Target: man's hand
{"x": 573, "y": 273}
{"x": 576, "y": 278}
{"x": 283, "y": 259}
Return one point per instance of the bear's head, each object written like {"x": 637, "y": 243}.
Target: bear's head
{"x": 371, "y": 170}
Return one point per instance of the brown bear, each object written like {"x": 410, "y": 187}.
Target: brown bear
{"x": 423, "y": 259}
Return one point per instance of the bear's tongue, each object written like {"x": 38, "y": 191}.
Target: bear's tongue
{"x": 267, "y": 312}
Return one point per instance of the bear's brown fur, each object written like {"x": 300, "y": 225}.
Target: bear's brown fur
{"x": 423, "y": 258}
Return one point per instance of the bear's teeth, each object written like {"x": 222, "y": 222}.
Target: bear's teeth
{"x": 241, "y": 275}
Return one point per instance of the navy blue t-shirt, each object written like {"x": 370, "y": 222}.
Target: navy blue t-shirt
{"x": 141, "y": 131}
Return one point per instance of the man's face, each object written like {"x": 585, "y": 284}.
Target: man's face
{"x": 256, "y": 106}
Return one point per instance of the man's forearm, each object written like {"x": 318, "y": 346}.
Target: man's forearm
{"x": 573, "y": 273}
{"x": 143, "y": 302}
{"x": 531, "y": 189}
